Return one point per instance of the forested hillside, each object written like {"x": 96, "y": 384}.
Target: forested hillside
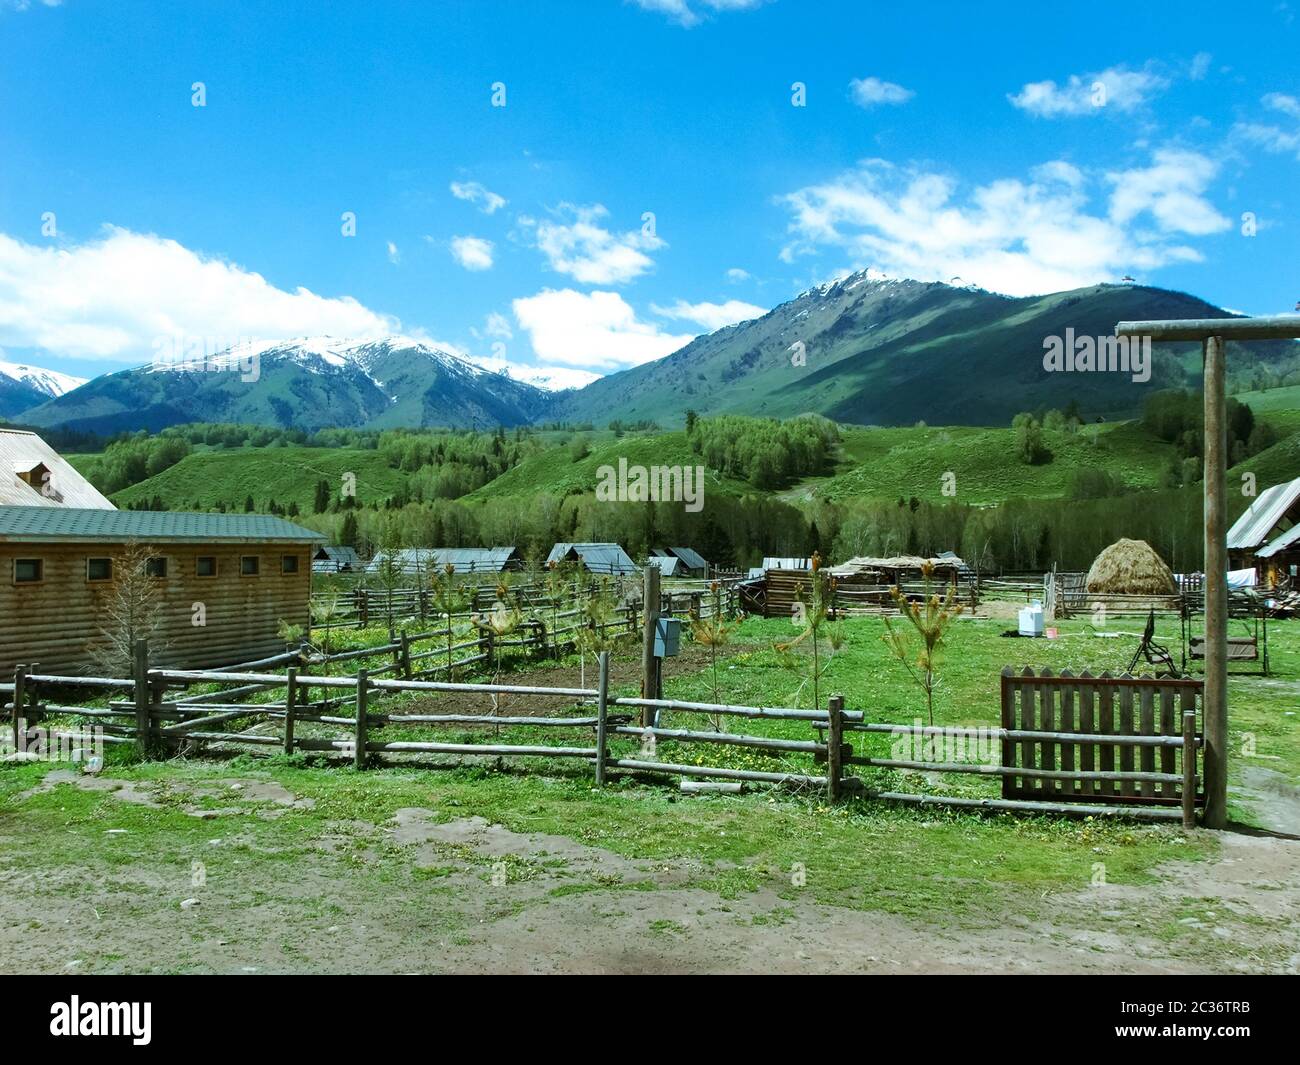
{"x": 1051, "y": 488}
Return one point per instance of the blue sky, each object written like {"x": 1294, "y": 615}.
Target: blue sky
{"x": 1019, "y": 147}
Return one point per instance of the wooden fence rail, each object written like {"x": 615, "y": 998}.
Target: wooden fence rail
{"x": 1105, "y": 746}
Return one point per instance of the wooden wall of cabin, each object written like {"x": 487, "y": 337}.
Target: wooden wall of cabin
{"x": 55, "y": 622}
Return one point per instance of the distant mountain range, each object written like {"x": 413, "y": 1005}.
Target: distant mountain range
{"x": 23, "y": 387}
{"x": 859, "y": 350}
{"x": 309, "y": 383}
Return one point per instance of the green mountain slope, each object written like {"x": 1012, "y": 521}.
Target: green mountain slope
{"x": 895, "y": 352}
{"x": 282, "y": 475}
{"x": 890, "y": 463}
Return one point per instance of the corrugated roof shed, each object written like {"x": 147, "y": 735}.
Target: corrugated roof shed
{"x": 1257, "y": 525}
{"x": 692, "y": 558}
{"x": 598, "y": 558}
{"x": 339, "y": 553}
{"x": 462, "y": 559}
{"x": 668, "y": 565}
{"x": 21, "y": 452}
{"x": 1290, "y": 538}
{"x": 55, "y": 524}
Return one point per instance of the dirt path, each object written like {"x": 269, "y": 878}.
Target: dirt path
{"x": 487, "y": 899}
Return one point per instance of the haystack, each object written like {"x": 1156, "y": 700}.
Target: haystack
{"x": 1130, "y": 567}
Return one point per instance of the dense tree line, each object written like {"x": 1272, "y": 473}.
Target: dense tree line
{"x": 763, "y": 451}
{"x": 137, "y": 458}
{"x": 1178, "y": 416}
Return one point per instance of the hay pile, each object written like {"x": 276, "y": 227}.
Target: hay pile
{"x": 1130, "y": 567}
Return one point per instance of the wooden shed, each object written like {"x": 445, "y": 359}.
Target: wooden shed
{"x": 208, "y": 589}
{"x": 608, "y": 559}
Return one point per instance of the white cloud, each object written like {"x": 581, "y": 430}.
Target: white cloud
{"x": 1279, "y": 101}
{"x": 473, "y": 253}
{"x": 115, "y": 297}
{"x": 1200, "y": 66}
{"x": 498, "y": 326}
{"x": 394, "y": 256}
{"x": 1170, "y": 190}
{"x": 1083, "y": 94}
{"x": 736, "y": 275}
{"x": 487, "y": 200}
{"x": 681, "y": 11}
{"x": 591, "y": 329}
{"x": 587, "y": 251}
{"x": 1015, "y": 236}
{"x": 710, "y": 315}
{"x": 872, "y": 92}
{"x": 1268, "y": 135}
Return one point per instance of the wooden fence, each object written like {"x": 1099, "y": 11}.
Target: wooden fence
{"x": 361, "y": 607}
{"x": 1051, "y": 728}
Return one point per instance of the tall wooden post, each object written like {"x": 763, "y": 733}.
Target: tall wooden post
{"x": 1215, "y": 705}
{"x": 649, "y": 664}
{"x": 1214, "y": 333}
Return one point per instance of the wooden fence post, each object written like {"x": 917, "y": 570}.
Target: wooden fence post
{"x": 19, "y": 725}
{"x": 1189, "y": 769}
{"x": 140, "y": 678}
{"x": 649, "y": 664}
{"x": 359, "y": 753}
{"x": 405, "y": 656}
{"x": 290, "y": 697}
{"x": 834, "y": 745}
{"x": 602, "y": 706}
{"x": 157, "y": 692}
{"x": 363, "y": 614}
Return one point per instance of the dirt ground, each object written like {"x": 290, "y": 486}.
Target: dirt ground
{"x": 503, "y": 901}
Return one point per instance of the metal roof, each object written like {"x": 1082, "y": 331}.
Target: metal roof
{"x": 336, "y": 553}
{"x": 787, "y": 563}
{"x": 21, "y": 451}
{"x": 58, "y": 524}
{"x": 461, "y": 559}
{"x": 598, "y": 558}
{"x": 668, "y": 565}
{"x": 690, "y": 557}
{"x": 1288, "y": 539}
{"x": 1254, "y": 528}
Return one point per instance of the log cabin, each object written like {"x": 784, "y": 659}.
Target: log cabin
{"x": 214, "y": 587}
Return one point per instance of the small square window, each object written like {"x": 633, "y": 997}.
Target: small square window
{"x": 205, "y": 566}
{"x": 28, "y": 571}
{"x": 99, "y": 569}
{"x": 288, "y": 563}
{"x": 249, "y": 565}
{"x": 156, "y": 567}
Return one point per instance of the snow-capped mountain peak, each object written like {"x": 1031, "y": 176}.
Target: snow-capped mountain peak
{"x": 49, "y": 383}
